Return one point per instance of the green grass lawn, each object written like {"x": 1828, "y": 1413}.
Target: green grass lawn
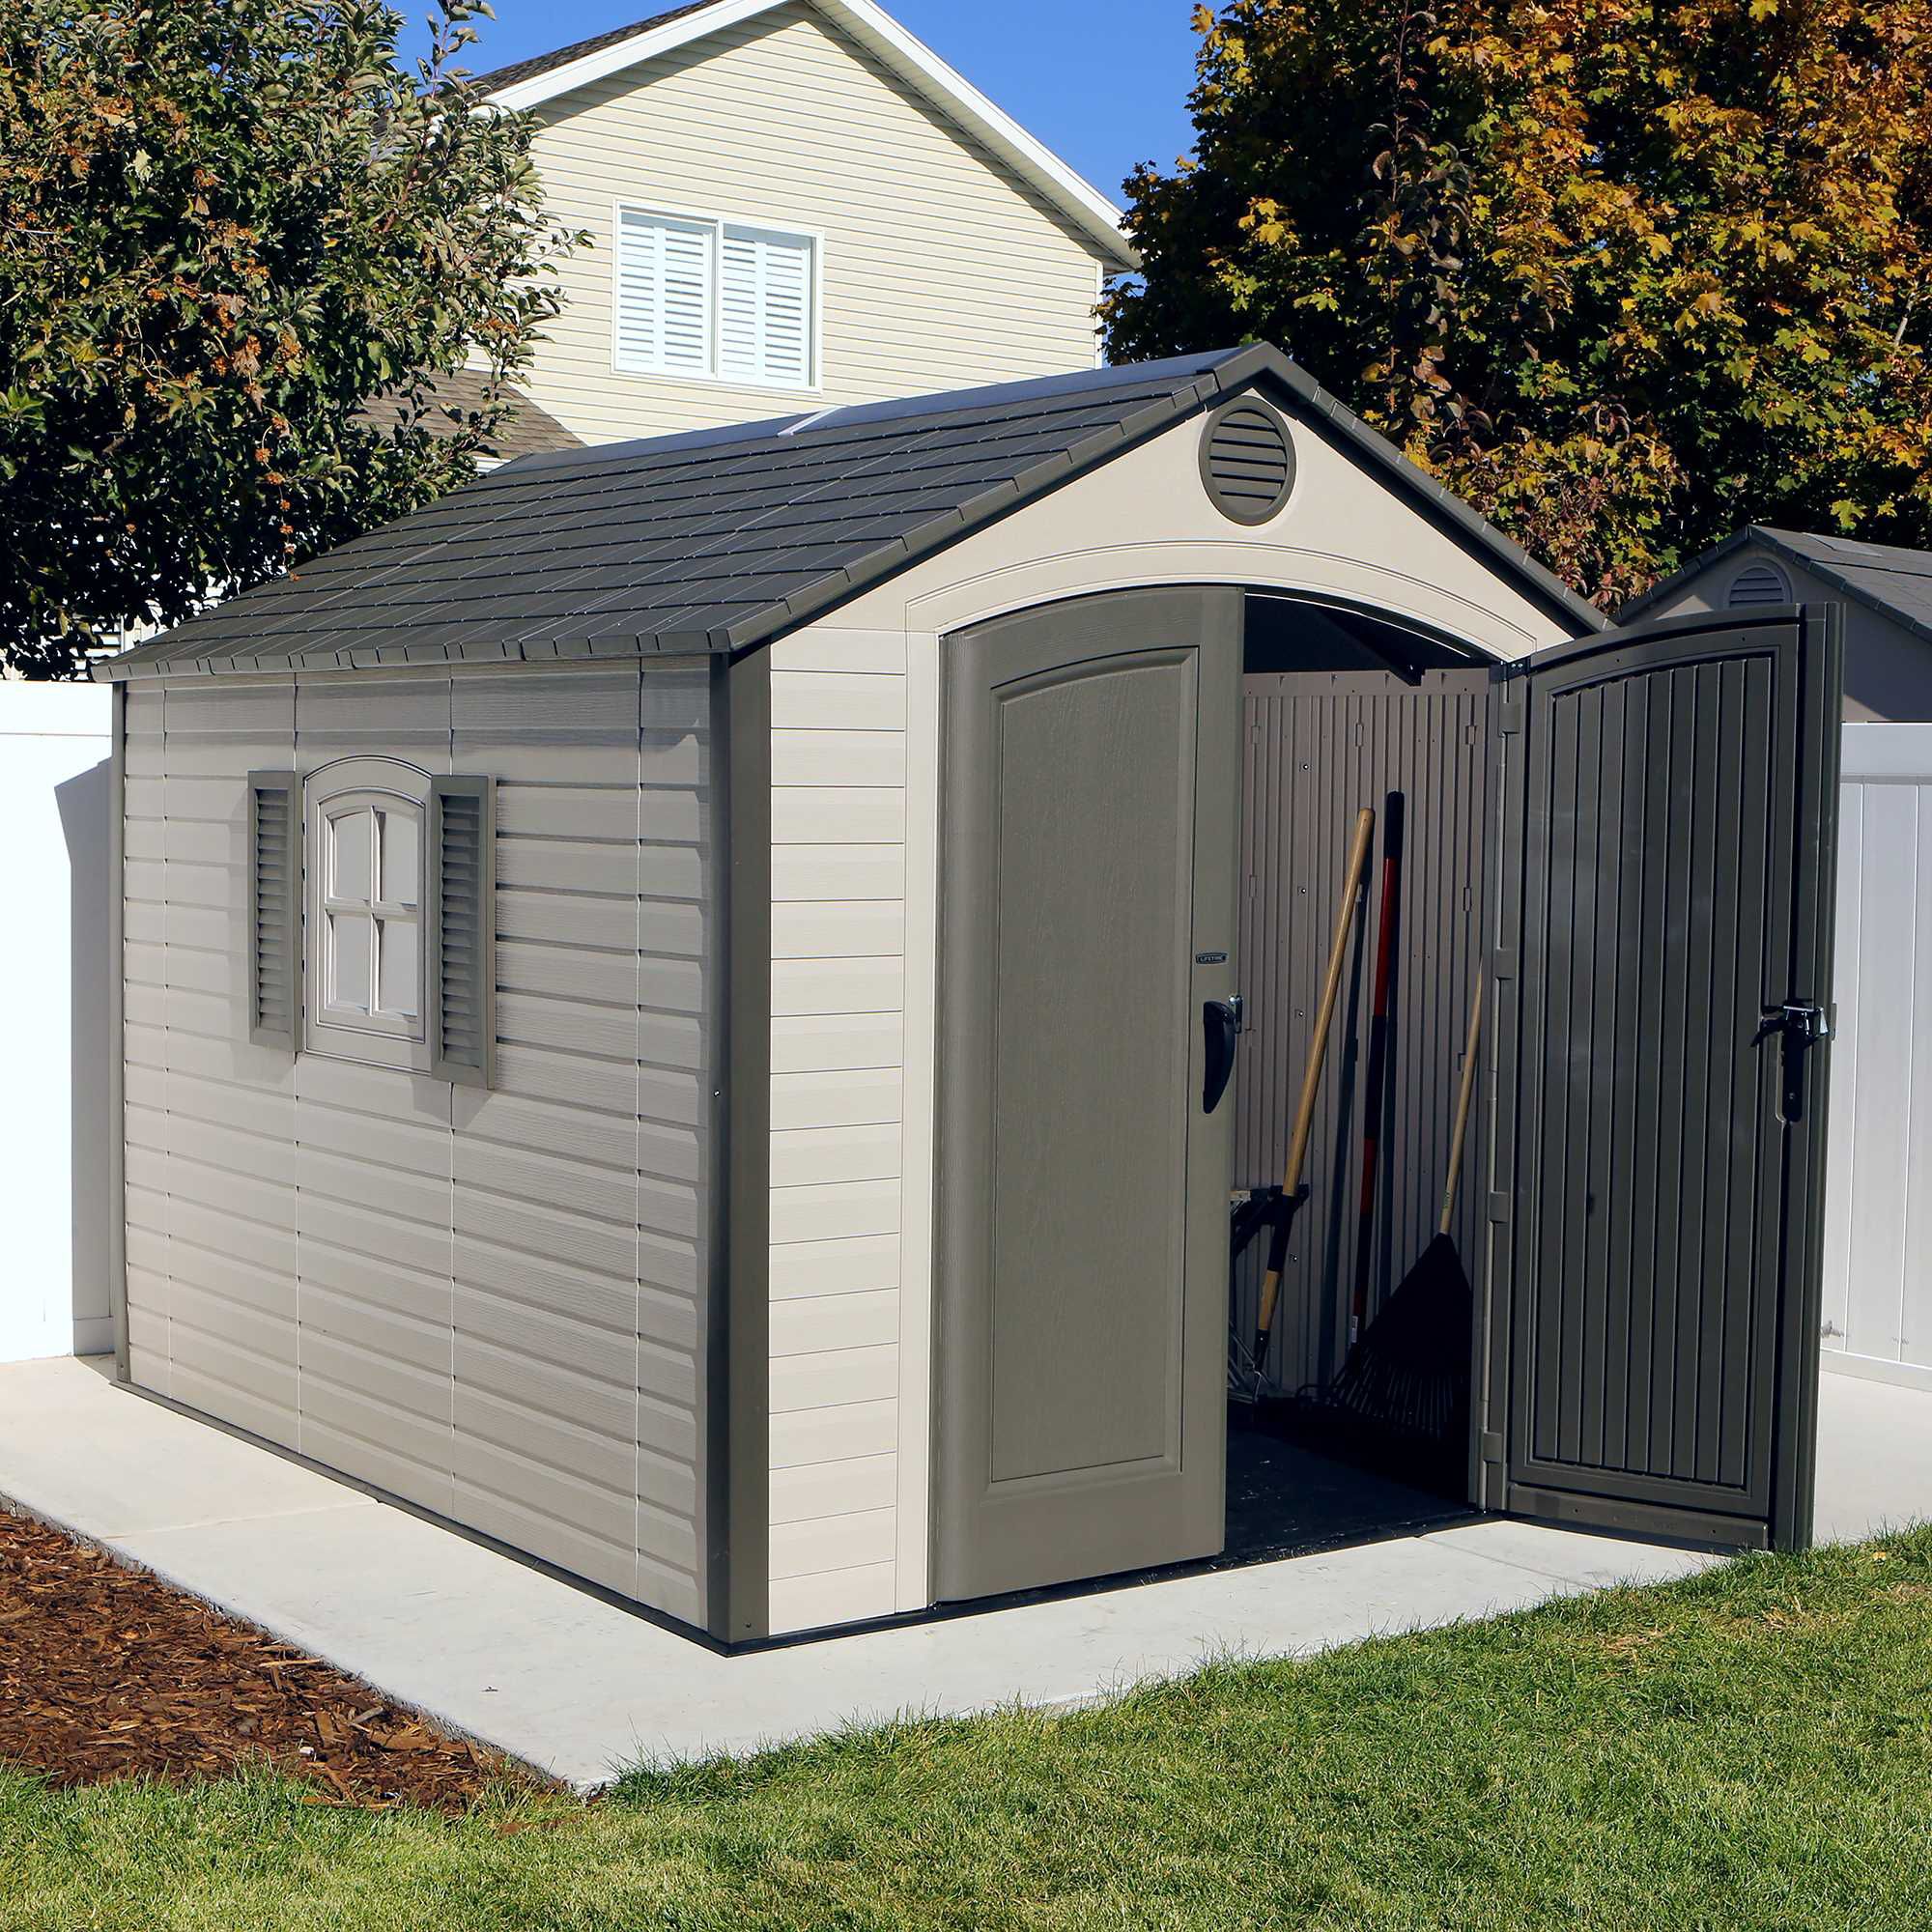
{"x": 1750, "y": 1748}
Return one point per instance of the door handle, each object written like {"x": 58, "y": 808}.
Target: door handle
{"x": 1220, "y": 1025}
{"x": 1798, "y": 1025}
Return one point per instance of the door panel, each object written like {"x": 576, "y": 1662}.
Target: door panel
{"x": 1091, "y": 798}
{"x": 1670, "y": 805}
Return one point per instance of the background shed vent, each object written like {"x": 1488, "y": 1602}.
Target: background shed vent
{"x": 1247, "y": 461}
{"x": 1758, "y": 583}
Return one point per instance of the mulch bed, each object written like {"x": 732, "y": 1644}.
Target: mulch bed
{"x": 108, "y": 1672}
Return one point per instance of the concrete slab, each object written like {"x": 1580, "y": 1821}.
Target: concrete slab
{"x": 1874, "y": 1458}
{"x": 67, "y": 1439}
{"x": 583, "y": 1689}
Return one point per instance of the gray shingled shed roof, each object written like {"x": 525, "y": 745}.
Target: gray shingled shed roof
{"x": 502, "y": 78}
{"x": 723, "y": 539}
{"x": 1896, "y": 583}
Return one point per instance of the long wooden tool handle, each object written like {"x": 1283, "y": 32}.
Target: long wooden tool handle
{"x": 1462, "y": 1129}
{"x": 1331, "y": 988}
{"x": 1311, "y": 1080}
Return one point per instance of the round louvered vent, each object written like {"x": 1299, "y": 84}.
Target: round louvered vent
{"x": 1247, "y": 461}
{"x": 1759, "y": 583}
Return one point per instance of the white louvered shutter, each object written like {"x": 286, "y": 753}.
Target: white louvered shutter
{"x": 665, "y": 281}
{"x": 766, "y": 308}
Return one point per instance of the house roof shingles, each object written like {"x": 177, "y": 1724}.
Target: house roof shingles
{"x": 722, "y": 539}
{"x": 527, "y": 432}
{"x": 502, "y": 78}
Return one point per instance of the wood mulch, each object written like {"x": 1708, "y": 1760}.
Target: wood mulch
{"x": 106, "y": 1672}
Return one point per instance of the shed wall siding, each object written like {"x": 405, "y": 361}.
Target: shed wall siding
{"x": 487, "y": 1303}
{"x": 939, "y": 269}
{"x": 838, "y": 957}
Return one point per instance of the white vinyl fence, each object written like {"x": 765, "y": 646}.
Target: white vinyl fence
{"x": 54, "y": 1045}
{"x": 1878, "y": 1221}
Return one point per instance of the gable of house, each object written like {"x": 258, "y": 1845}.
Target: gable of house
{"x": 923, "y": 260}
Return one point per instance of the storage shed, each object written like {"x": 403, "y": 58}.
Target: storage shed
{"x": 669, "y": 997}
{"x": 1886, "y": 592}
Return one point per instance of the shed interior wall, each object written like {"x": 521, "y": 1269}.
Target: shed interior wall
{"x": 489, "y": 1304}
{"x": 1317, "y": 748}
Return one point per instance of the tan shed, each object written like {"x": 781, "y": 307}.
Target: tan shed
{"x": 672, "y": 999}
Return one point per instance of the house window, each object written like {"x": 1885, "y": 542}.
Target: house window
{"x": 717, "y": 301}
{"x": 371, "y": 914}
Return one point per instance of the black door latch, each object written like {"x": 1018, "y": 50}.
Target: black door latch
{"x": 1799, "y": 1024}
{"x": 1800, "y": 1018}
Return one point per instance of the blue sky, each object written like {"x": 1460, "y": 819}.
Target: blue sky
{"x": 1102, "y": 82}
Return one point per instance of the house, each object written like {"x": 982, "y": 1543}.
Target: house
{"x": 683, "y": 1006}
{"x": 794, "y": 204}
{"x": 1886, "y": 593}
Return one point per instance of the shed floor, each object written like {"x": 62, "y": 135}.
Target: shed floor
{"x": 1284, "y": 1500}
{"x": 569, "y": 1683}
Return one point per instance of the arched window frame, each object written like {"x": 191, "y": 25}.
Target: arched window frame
{"x": 390, "y": 1027}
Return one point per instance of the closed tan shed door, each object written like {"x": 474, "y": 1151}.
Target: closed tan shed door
{"x": 1089, "y": 840}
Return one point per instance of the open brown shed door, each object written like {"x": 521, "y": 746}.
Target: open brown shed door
{"x": 1669, "y": 822}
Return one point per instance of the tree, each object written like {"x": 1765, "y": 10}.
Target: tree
{"x": 1625, "y": 274}
{"x": 225, "y": 227}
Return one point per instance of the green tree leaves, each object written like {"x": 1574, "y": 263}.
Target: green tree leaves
{"x": 1624, "y": 275}
{"x": 224, "y": 228}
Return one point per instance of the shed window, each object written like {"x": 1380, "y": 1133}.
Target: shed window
{"x": 381, "y": 945}
{"x": 371, "y": 914}
{"x": 716, "y": 299}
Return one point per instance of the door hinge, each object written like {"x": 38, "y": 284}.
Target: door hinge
{"x": 1510, "y": 709}
{"x": 1493, "y": 1445}
{"x": 1500, "y": 1204}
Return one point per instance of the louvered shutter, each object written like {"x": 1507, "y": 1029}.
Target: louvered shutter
{"x": 766, "y": 308}
{"x": 460, "y": 900}
{"x": 275, "y": 908}
{"x": 664, "y": 294}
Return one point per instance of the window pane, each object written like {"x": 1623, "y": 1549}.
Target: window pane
{"x": 401, "y": 969}
{"x": 399, "y": 834}
{"x": 352, "y": 838}
{"x": 350, "y": 943}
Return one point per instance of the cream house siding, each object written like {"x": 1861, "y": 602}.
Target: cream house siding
{"x": 938, "y": 268}
{"x": 855, "y": 765}
{"x": 487, "y": 1303}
